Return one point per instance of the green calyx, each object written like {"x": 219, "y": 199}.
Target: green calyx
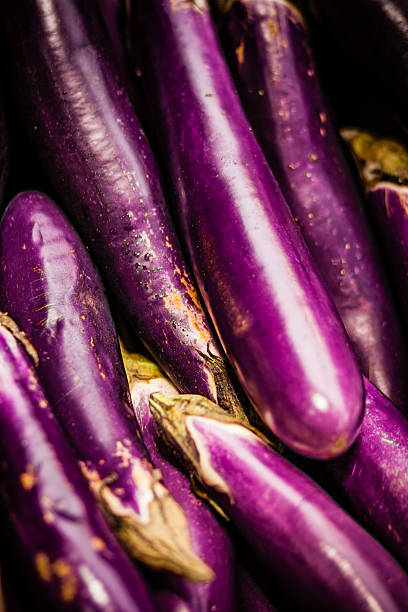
{"x": 378, "y": 159}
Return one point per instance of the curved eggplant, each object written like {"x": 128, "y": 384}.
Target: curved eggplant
{"x": 383, "y": 165}
{"x": 84, "y": 128}
{"x": 271, "y": 60}
{"x": 277, "y": 324}
{"x": 323, "y": 558}
{"x": 50, "y": 286}
{"x": 74, "y": 562}
{"x": 210, "y": 541}
{"x": 373, "y": 473}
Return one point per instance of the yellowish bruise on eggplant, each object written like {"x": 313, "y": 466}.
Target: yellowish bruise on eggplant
{"x": 162, "y": 539}
{"x": 19, "y": 335}
{"x": 376, "y": 157}
{"x": 199, "y": 5}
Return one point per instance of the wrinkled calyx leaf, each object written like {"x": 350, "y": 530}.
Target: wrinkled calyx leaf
{"x": 163, "y": 542}
{"x": 378, "y": 159}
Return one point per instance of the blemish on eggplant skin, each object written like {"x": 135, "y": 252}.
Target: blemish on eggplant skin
{"x": 43, "y": 566}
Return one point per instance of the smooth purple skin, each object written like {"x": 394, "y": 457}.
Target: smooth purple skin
{"x": 388, "y": 206}
{"x": 277, "y": 324}
{"x": 322, "y": 556}
{"x": 373, "y": 473}
{"x": 269, "y": 53}
{"x": 49, "y": 285}
{"x": 374, "y": 35}
{"x": 85, "y": 131}
{"x": 210, "y": 541}
{"x": 57, "y": 521}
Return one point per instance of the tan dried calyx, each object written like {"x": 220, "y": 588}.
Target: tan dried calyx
{"x": 164, "y": 541}
{"x": 226, "y": 395}
{"x": 170, "y": 414}
{"x": 377, "y": 158}
{"x": 11, "y": 325}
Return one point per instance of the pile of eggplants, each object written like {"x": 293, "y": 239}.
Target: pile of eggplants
{"x": 260, "y": 290}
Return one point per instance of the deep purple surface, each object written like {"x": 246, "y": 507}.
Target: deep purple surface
{"x": 270, "y": 56}
{"x": 388, "y": 206}
{"x": 323, "y": 558}
{"x": 49, "y": 285}
{"x": 373, "y": 473}
{"x": 86, "y": 133}
{"x": 276, "y": 321}
{"x": 373, "y": 34}
{"x": 210, "y": 541}
{"x": 55, "y": 517}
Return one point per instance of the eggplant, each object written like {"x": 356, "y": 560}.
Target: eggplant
{"x": 383, "y": 166}
{"x": 323, "y": 558}
{"x": 210, "y": 540}
{"x": 74, "y": 562}
{"x": 278, "y": 326}
{"x": 373, "y": 473}
{"x": 50, "y": 286}
{"x": 372, "y": 35}
{"x": 84, "y": 130}
{"x": 270, "y": 56}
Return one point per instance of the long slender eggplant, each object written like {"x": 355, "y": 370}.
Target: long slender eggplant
{"x": 270, "y": 56}
{"x": 373, "y": 473}
{"x": 277, "y": 324}
{"x": 67, "y": 545}
{"x": 86, "y": 133}
{"x": 318, "y": 552}
{"x": 372, "y": 34}
{"x": 210, "y": 541}
{"x": 383, "y": 166}
{"x": 50, "y": 286}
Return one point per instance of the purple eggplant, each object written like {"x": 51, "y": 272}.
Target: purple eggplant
{"x": 75, "y": 564}
{"x": 372, "y": 35}
{"x": 383, "y": 165}
{"x": 86, "y": 133}
{"x": 210, "y": 541}
{"x": 277, "y": 324}
{"x": 323, "y": 558}
{"x": 50, "y": 286}
{"x": 269, "y": 53}
{"x": 373, "y": 474}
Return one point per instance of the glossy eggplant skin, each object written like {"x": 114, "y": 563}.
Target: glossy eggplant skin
{"x": 270, "y": 57}
{"x": 373, "y": 473}
{"x": 323, "y": 558}
{"x": 383, "y": 167}
{"x": 210, "y": 540}
{"x": 50, "y": 286}
{"x": 277, "y": 324}
{"x": 75, "y": 563}
{"x": 374, "y": 35}
{"x": 85, "y": 131}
